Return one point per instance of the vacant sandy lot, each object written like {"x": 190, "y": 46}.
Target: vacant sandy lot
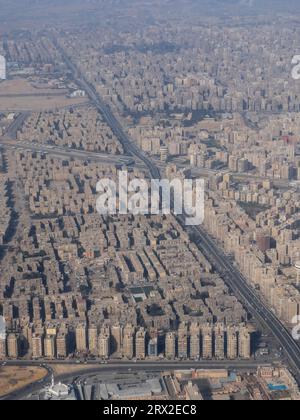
{"x": 23, "y": 87}
{"x": 66, "y": 369}
{"x": 13, "y": 378}
{"x": 19, "y": 95}
{"x": 37, "y": 103}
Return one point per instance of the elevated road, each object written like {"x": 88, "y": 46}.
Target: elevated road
{"x": 64, "y": 152}
{"x": 231, "y": 275}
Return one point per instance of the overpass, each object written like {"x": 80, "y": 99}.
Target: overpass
{"x": 65, "y": 152}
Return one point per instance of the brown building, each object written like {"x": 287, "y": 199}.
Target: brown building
{"x": 37, "y": 346}
{"x": 263, "y": 241}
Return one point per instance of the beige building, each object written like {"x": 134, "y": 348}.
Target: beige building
{"x": 93, "y": 339}
{"x": 62, "y": 345}
{"x": 140, "y": 344}
{"x": 104, "y": 343}
{"x": 13, "y": 346}
{"x": 170, "y": 346}
{"x": 219, "y": 342}
{"x": 37, "y": 346}
{"x": 182, "y": 341}
{"x": 49, "y": 346}
{"x": 2, "y": 348}
{"x": 81, "y": 341}
{"x": 195, "y": 341}
{"x": 207, "y": 342}
{"x": 232, "y": 343}
{"x": 128, "y": 342}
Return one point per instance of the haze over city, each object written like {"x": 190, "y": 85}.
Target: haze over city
{"x": 150, "y": 202}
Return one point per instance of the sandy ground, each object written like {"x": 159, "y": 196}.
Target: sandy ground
{"x": 37, "y": 103}
{"x": 51, "y": 99}
{"x": 13, "y": 378}
{"x": 65, "y": 369}
{"x": 23, "y": 86}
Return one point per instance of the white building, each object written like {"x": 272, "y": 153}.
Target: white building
{"x": 78, "y": 94}
{"x": 59, "y": 392}
{"x": 2, "y": 68}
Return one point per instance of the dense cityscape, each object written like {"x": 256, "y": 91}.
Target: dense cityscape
{"x": 140, "y": 305}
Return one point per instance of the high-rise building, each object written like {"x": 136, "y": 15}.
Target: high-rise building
{"x": 128, "y": 341}
{"x": 49, "y": 346}
{"x": 104, "y": 343}
{"x": 170, "y": 345}
{"x": 263, "y": 240}
{"x": 2, "y": 68}
{"x": 153, "y": 347}
{"x": 232, "y": 343}
{"x": 36, "y": 308}
{"x": 140, "y": 344}
{"x": 182, "y": 341}
{"x": 37, "y": 346}
{"x": 81, "y": 341}
{"x": 13, "y": 346}
{"x": 244, "y": 343}
{"x": 207, "y": 342}
{"x": 164, "y": 152}
{"x": 2, "y": 348}
{"x": 116, "y": 339}
{"x": 195, "y": 341}
{"x": 27, "y": 334}
{"x": 219, "y": 342}
{"x": 62, "y": 345}
{"x": 93, "y": 339}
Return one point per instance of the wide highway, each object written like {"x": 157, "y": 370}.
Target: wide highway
{"x": 65, "y": 152}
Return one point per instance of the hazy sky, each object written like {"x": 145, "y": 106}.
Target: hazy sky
{"x": 35, "y": 13}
